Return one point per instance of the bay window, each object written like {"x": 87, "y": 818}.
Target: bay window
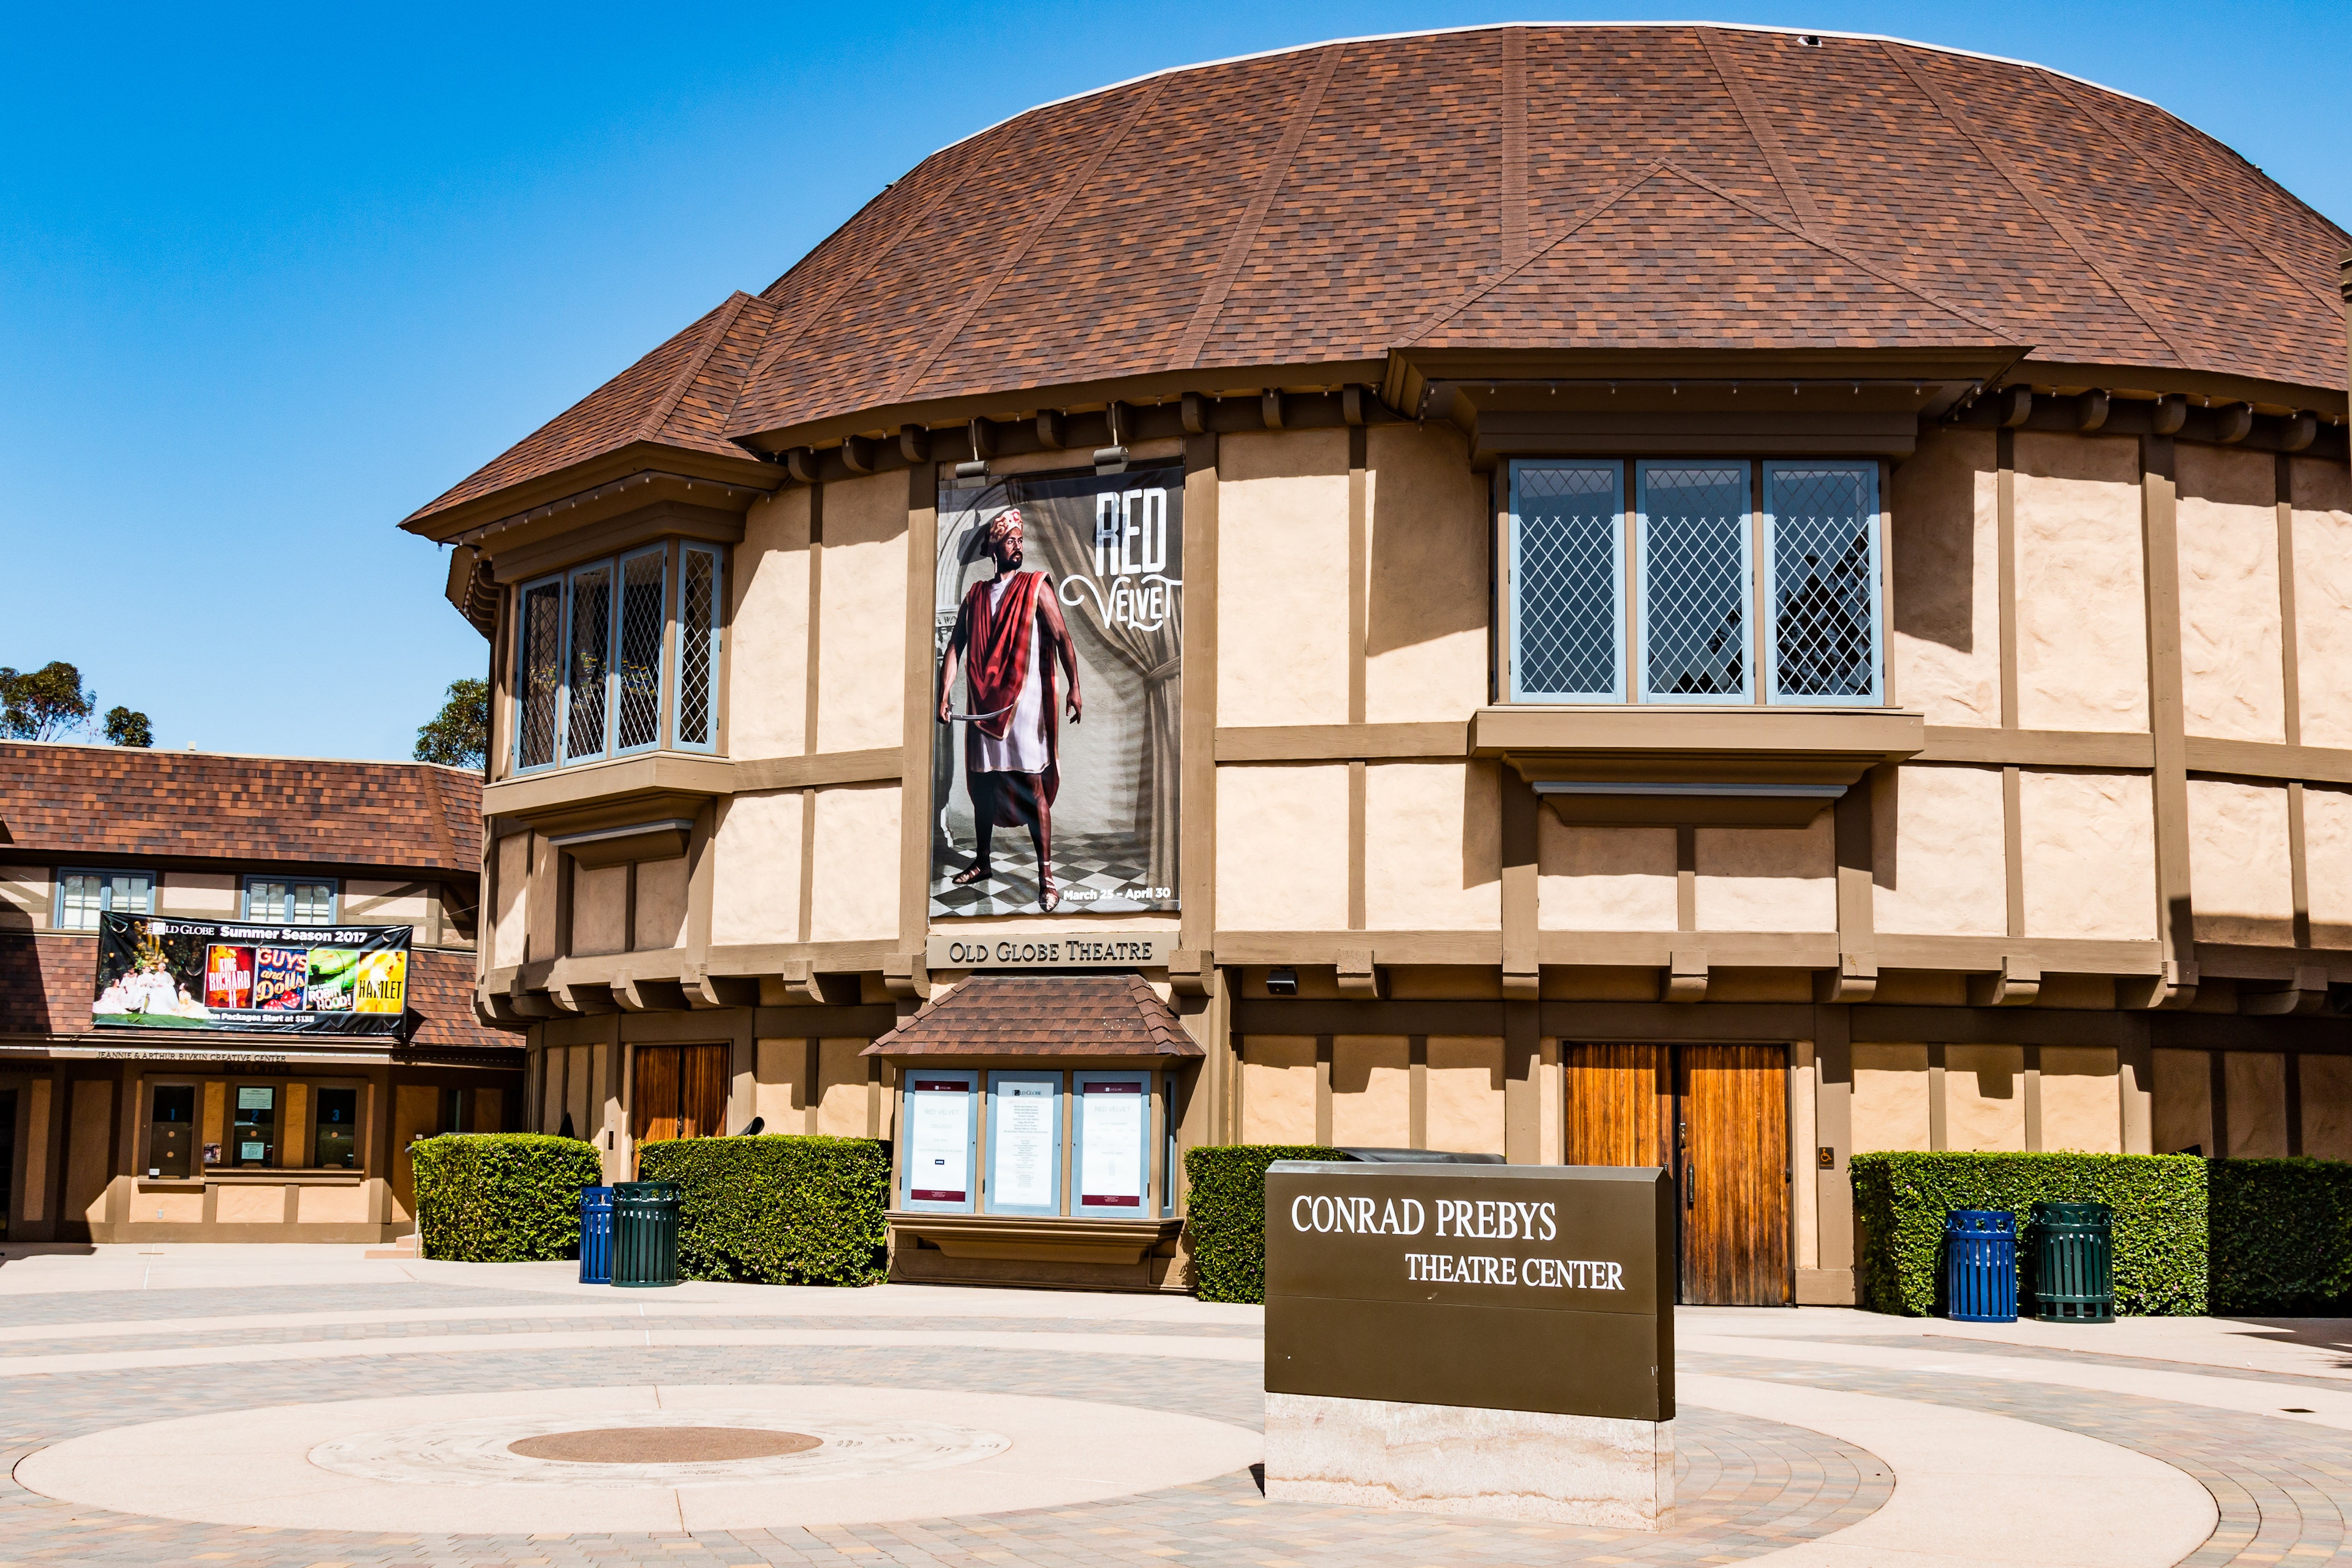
{"x": 1694, "y": 580}
{"x": 619, "y": 656}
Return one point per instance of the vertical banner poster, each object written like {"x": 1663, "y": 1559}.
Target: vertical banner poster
{"x": 158, "y": 973}
{"x": 1057, "y": 637}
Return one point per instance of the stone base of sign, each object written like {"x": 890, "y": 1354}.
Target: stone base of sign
{"x": 1445, "y": 1458}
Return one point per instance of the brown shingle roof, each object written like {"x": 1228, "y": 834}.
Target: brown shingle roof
{"x": 1703, "y": 186}
{"x": 1042, "y": 1016}
{"x": 67, "y": 801}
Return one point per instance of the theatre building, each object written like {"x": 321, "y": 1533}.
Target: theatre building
{"x": 233, "y": 990}
{"x": 1670, "y": 596}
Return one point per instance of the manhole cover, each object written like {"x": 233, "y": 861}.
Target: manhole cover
{"x": 662, "y": 1445}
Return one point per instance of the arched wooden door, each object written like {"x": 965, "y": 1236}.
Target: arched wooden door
{"x": 680, "y": 1091}
{"x": 1715, "y": 1118}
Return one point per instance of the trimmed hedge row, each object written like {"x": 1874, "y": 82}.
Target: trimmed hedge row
{"x": 2192, "y": 1236}
{"x": 1225, "y": 1215}
{"x": 777, "y": 1209}
{"x": 501, "y": 1197}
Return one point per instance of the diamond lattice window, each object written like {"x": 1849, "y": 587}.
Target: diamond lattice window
{"x": 540, "y": 676}
{"x": 590, "y": 664}
{"x": 697, "y": 647}
{"x": 591, "y": 645}
{"x": 1694, "y": 583}
{"x": 1567, "y": 554}
{"x": 1823, "y": 543}
{"x": 641, "y": 649}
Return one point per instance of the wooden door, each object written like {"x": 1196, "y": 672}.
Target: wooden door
{"x": 680, "y": 1093}
{"x": 1619, "y": 1103}
{"x": 1734, "y": 1175}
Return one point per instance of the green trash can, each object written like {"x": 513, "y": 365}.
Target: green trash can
{"x": 644, "y": 1233}
{"x": 2074, "y": 1263}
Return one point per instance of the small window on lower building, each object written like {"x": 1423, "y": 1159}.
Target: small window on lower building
{"x": 334, "y": 1143}
{"x": 83, "y": 896}
{"x": 253, "y": 1136}
{"x": 289, "y": 902}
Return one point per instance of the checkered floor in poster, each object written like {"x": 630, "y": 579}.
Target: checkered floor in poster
{"x": 1099, "y": 873}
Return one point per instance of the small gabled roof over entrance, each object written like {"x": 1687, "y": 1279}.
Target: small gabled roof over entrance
{"x": 1042, "y": 1016}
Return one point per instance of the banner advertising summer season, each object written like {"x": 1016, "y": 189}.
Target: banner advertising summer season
{"x": 1059, "y": 621}
{"x": 158, "y": 973}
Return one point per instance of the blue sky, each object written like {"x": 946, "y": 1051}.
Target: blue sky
{"x": 271, "y": 279}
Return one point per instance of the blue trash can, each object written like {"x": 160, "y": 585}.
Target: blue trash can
{"x": 1981, "y": 1265}
{"x": 595, "y": 1236}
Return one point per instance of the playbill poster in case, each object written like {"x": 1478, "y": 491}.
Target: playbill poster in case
{"x": 245, "y": 977}
{"x": 1058, "y": 682}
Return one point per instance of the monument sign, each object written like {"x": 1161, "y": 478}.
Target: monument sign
{"x": 1470, "y": 1339}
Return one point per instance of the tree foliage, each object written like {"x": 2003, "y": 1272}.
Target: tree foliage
{"x": 459, "y": 735}
{"x": 44, "y": 704}
{"x": 126, "y": 728}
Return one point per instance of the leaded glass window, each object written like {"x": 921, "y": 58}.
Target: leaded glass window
{"x": 592, "y": 675}
{"x": 642, "y": 606}
{"x": 538, "y": 673}
{"x": 1693, "y": 562}
{"x": 589, "y": 666}
{"x": 698, "y": 647}
{"x": 1821, "y": 542}
{"x": 1567, "y": 582}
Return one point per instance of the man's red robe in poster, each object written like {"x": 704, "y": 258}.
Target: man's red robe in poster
{"x": 999, "y": 644}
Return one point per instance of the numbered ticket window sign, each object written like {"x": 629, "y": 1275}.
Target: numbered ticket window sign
{"x": 1024, "y": 1143}
{"x": 1114, "y": 1139}
{"x": 941, "y": 1116}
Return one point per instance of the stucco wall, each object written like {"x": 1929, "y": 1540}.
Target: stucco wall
{"x": 2238, "y": 863}
{"x": 2323, "y": 600}
{"x": 1433, "y": 846}
{"x": 511, "y": 900}
{"x": 1889, "y": 1103}
{"x": 2327, "y": 1105}
{"x": 2180, "y": 1112}
{"x": 1603, "y": 878}
{"x": 853, "y": 877}
{"x": 599, "y": 910}
{"x": 1984, "y": 1098}
{"x": 1945, "y": 620}
{"x": 1766, "y": 878}
{"x": 2327, "y": 863}
{"x": 1282, "y": 578}
{"x": 841, "y": 1093}
{"x": 1278, "y": 1089}
{"x": 2089, "y": 850}
{"x": 1425, "y": 591}
{"x": 767, "y": 645}
{"x": 2081, "y": 1107}
{"x": 661, "y": 903}
{"x": 1465, "y": 1089}
{"x": 2082, "y": 614}
{"x": 1939, "y": 866}
{"x": 862, "y": 608}
{"x": 1372, "y": 1092}
{"x": 2231, "y": 679}
{"x": 2255, "y": 1084}
{"x": 756, "y": 882}
{"x": 1281, "y": 847}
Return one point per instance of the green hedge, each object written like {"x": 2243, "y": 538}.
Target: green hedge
{"x": 777, "y": 1209}
{"x": 1225, "y": 1215}
{"x": 501, "y": 1197}
{"x": 2158, "y": 1200}
{"x": 2282, "y": 1236}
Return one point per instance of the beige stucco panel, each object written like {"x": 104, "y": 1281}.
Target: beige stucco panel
{"x": 1282, "y": 578}
{"x": 2238, "y": 861}
{"x": 1372, "y": 1092}
{"x": 599, "y": 910}
{"x": 1889, "y": 1104}
{"x": 1464, "y": 1094}
{"x": 661, "y": 904}
{"x": 1940, "y": 868}
{"x": 1984, "y": 1099}
{"x": 1281, "y": 847}
{"x": 2081, "y": 1109}
{"x": 2089, "y": 850}
{"x": 2327, "y": 863}
{"x": 780, "y": 1084}
{"x": 862, "y": 606}
{"x": 840, "y": 1087}
{"x": 1278, "y": 1089}
{"x": 855, "y": 871}
{"x": 2255, "y": 1082}
{"x": 1435, "y": 860}
{"x": 2082, "y": 616}
{"x": 756, "y": 885}
{"x": 1766, "y": 878}
{"x": 2232, "y": 683}
{"x": 767, "y": 634}
{"x": 27, "y": 900}
{"x": 1946, "y": 645}
{"x": 218, "y": 894}
{"x": 2181, "y": 1102}
{"x": 332, "y": 1205}
{"x": 512, "y": 898}
{"x": 2323, "y": 600}
{"x": 1425, "y": 583}
{"x": 2327, "y": 1105}
{"x": 1603, "y": 878}
{"x": 243, "y": 1205}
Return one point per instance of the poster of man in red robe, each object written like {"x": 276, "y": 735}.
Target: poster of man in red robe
{"x": 1058, "y": 634}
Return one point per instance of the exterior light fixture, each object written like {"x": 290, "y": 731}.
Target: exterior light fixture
{"x": 1282, "y": 983}
{"x": 975, "y": 469}
{"x": 1110, "y": 459}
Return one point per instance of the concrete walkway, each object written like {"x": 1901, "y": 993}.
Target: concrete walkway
{"x": 188, "y": 1403}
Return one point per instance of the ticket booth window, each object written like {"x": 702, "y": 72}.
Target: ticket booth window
{"x": 171, "y": 1131}
{"x": 253, "y": 1138}
{"x": 335, "y": 1140}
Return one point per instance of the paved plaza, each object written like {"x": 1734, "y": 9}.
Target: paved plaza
{"x": 305, "y": 1407}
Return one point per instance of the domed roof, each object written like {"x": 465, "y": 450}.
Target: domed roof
{"x": 1528, "y": 187}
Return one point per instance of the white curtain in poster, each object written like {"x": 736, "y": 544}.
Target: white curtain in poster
{"x": 1110, "y": 1138}
{"x": 1026, "y": 1130}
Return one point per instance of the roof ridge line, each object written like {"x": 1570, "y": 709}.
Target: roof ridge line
{"x": 1839, "y": 251}
{"x": 2025, "y": 186}
{"x": 722, "y": 321}
{"x": 1212, "y": 304}
{"x": 1071, "y": 186}
{"x": 1479, "y": 291}
{"x": 1760, "y": 131}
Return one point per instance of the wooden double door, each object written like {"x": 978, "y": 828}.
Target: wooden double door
{"x": 1716, "y": 1118}
{"x": 680, "y": 1093}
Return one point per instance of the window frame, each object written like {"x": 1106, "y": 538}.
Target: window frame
{"x": 1746, "y": 695}
{"x": 1874, "y": 529}
{"x": 673, "y": 712}
{"x": 334, "y": 886}
{"x": 105, "y": 875}
{"x": 670, "y": 556}
{"x": 569, "y": 577}
{"x": 1615, "y": 469}
{"x": 518, "y": 691}
{"x": 664, "y": 705}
